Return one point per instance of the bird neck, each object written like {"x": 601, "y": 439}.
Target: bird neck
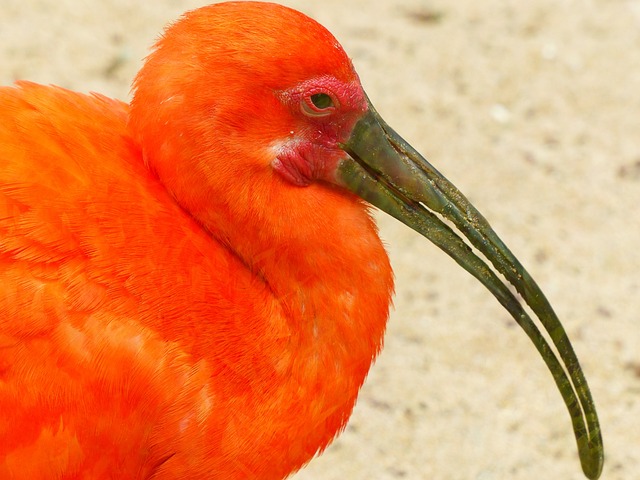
{"x": 317, "y": 252}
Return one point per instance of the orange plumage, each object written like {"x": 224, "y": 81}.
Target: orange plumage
{"x": 190, "y": 286}
{"x": 140, "y": 339}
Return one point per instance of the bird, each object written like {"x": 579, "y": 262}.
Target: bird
{"x": 192, "y": 285}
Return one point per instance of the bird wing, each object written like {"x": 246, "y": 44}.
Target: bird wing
{"x": 98, "y": 268}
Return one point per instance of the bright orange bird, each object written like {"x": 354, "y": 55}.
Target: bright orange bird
{"x": 190, "y": 286}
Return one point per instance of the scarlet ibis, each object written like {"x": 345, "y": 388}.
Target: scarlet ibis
{"x": 191, "y": 286}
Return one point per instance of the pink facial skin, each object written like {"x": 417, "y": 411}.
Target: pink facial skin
{"x": 312, "y": 151}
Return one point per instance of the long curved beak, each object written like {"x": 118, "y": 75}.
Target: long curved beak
{"x": 387, "y": 172}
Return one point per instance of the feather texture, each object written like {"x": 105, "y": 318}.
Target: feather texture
{"x": 149, "y": 330}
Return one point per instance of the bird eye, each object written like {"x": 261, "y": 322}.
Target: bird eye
{"x": 318, "y": 105}
{"x": 321, "y": 101}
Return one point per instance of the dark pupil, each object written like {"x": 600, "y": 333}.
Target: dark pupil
{"x": 321, "y": 101}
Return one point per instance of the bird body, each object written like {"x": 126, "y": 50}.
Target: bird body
{"x": 151, "y": 327}
{"x": 190, "y": 285}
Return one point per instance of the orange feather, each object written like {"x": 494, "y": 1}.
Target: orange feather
{"x": 215, "y": 323}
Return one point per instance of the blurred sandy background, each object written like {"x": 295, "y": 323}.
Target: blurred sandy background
{"x": 533, "y": 110}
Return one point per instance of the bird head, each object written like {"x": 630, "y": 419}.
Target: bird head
{"x": 243, "y": 74}
{"x": 271, "y": 89}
